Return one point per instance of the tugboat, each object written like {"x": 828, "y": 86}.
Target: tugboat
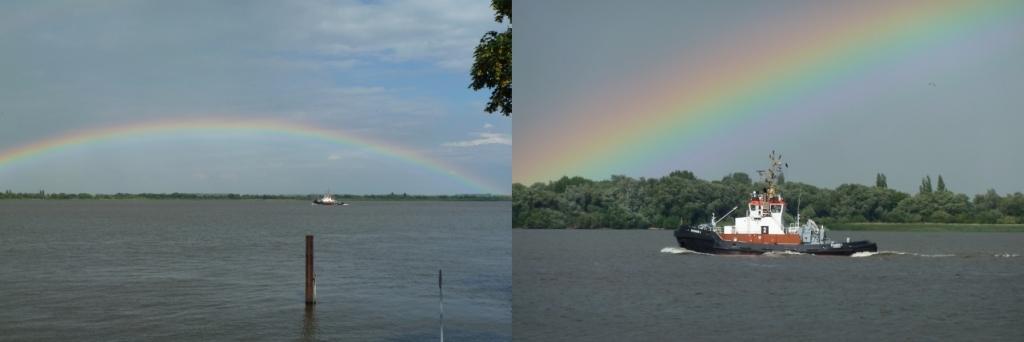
{"x": 327, "y": 200}
{"x": 762, "y": 230}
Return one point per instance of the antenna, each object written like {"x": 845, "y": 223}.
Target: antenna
{"x": 798, "y": 207}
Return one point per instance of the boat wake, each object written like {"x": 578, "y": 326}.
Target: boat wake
{"x": 897, "y": 253}
{"x": 886, "y": 253}
{"x": 783, "y": 254}
{"x": 680, "y": 250}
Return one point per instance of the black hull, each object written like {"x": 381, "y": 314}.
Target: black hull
{"x": 709, "y": 242}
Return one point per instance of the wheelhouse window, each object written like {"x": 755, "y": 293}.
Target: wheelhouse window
{"x": 776, "y": 208}
{"x": 753, "y": 207}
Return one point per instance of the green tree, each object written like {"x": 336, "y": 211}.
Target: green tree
{"x": 1012, "y": 205}
{"x": 927, "y": 204}
{"x": 492, "y": 67}
{"x": 808, "y": 212}
{"x": 545, "y": 218}
{"x": 989, "y": 201}
{"x": 926, "y": 185}
{"x": 682, "y": 174}
{"x": 942, "y": 185}
{"x": 855, "y": 200}
{"x": 880, "y": 181}
{"x": 738, "y": 177}
{"x": 560, "y": 185}
{"x": 807, "y": 195}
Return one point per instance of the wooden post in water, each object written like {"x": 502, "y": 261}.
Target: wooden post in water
{"x": 441, "y": 302}
{"x": 310, "y": 276}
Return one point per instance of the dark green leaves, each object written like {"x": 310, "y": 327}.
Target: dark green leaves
{"x": 492, "y": 66}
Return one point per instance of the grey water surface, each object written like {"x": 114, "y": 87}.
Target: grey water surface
{"x": 611, "y": 285}
{"x": 192, "y": 270}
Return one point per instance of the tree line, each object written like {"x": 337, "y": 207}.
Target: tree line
{"x": 624, "y": 203}
{"x": 231, "y": 196}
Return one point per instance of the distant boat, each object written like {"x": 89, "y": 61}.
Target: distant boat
{"x": 327, "y": 200}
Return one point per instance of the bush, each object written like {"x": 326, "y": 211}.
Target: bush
{"x": 545, "y": 218}
{"x": 854, "y": 219}
{"x": 989, "y": 216}
{"x": 585, "y": 221}
{"x": 940, "y": 216}
{"x": 896, "y": 216}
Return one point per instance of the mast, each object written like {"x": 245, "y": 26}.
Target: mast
{"x": 772, "y": 197}
{"x": 772, "y": 173}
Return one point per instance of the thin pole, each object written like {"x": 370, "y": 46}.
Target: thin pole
{"x": 310, "y": 276}
{"x": 441, "y": 302}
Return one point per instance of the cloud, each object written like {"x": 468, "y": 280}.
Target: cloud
{"x": 382, "y": 70}
{"x": 312, "y": 65}
{"x": 487, "y": 125}
{"x": 442, "y": 31}
{"x": 487, "y": 138}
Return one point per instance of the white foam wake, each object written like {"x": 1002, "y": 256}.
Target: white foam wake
{"x": 782, "y": 254}
{"x": 862, "y": 254}
{"x": 883, "y": 253}
{"x": 680, "y": 250}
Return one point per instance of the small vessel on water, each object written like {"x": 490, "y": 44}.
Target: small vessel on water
{"x": 327, "y": 200}
{"x": 763, "y": 231}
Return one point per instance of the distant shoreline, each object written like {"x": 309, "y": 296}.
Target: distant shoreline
{"x": 230, "y": 196}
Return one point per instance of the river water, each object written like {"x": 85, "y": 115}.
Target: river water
{"x": 609, "y": 285}
{"x": 181, "y": 270}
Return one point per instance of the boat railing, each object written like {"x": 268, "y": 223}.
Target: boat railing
{"x": 793, "y": 228}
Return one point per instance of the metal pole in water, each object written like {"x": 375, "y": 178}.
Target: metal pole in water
{"x": 441, "y": 302}
{"x": 310, "y": 276}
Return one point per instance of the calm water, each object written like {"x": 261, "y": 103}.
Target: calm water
{"x": 632, "y": 285}
{"x": 234, "y": 270}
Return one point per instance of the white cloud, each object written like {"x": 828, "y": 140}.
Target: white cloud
{"x": 487, "y": 125}
{"x": 444, "y": 31}
{"x": 487, "y": 138}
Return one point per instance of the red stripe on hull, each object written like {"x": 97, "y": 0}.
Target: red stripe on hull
{"x": 771, "y": 239}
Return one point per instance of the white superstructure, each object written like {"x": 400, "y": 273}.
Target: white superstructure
{"x": 765, "y": 209}
{"x": 764, "y": 216}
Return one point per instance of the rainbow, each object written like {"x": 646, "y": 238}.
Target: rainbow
{"x": 794, "y": 71}
{"x": 462, "y": 181}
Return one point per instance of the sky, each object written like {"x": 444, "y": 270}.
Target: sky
{"x": 261, "y": 97}
{"x": 842, "y": 90}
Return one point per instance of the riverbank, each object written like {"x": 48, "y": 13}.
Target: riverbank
{"x": 882, "y": 227}
{"x": 928, "y": 227}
